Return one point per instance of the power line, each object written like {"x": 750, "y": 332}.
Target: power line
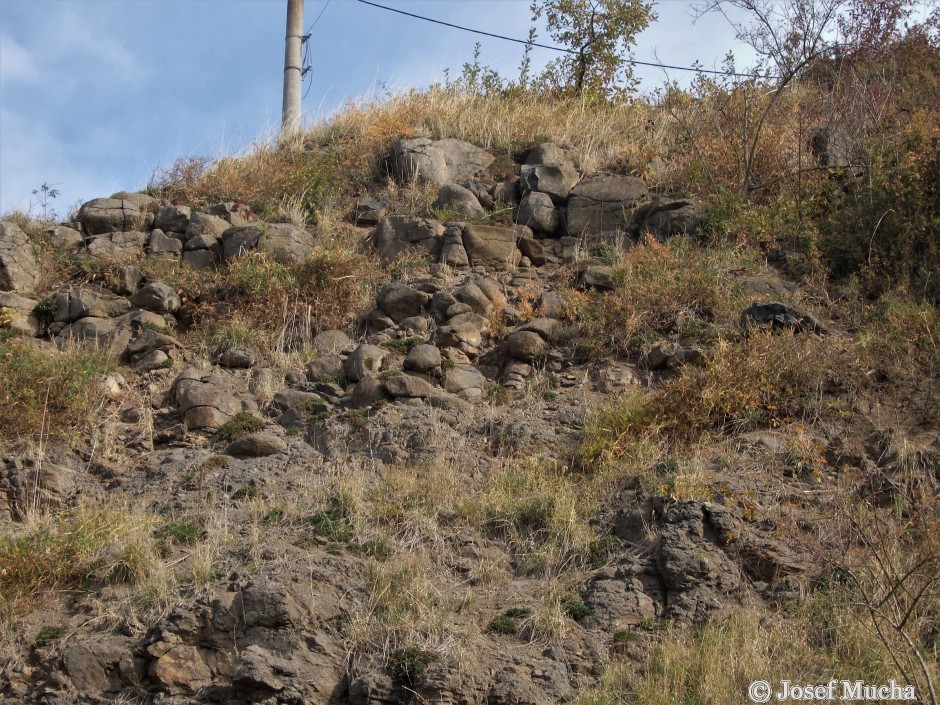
{"x": 549, "y": 46}
{"x": 308, "y": 59}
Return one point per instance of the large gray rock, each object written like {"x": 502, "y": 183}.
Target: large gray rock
{"x": 464, "y": 331}
{"x": 491, "y": 246}
{"x": 234, "y": 213}
{"x": 16, "y": 313}
{"x": 424, "y": 358}
{"x": 73, "y": 304}
{"x": 160, "y": 244}
{"x": 400, "y": 301}
{"x": 525, "y": 345}
{"x": 598, "y": 276}
{"x": 142, "y": 202}
{"x": 19, "y": 270}
{"x": 399, "y": 233}
{"x": 409, "y": 387}
{"x": 537, "y": 211}
{"x": 370, "y": 210}
{"x": 550, "y": 154}
{"x": 460, "y": 200}
{"x": 199, "y": 259}
{"x": 256, "y": 445}
{"x": 332, "y": 342}
{"x": 157, "y": 297}
{"x": 364, "y": 361}
{"x": 556, "y": 181}
{"x": 102, "y": 665}
{"x": 122, "y": 247}
{"x": 507, "y": 192}
{"x": 204, "y": 224}
{"x": 172, "y": 218}
{"x": 663, "y": 218}
{"x": 108, "y": 215}
{"x": 604, "y": 203}
{"x": 367, "y": 392}
{"x": 205, "y": 399}
{"x": 286, "y": 242}
{"x": 464, "y": 381}
{"x": 453, "y": 253}
{"x": 439, "y": 162}
{"x": 63, "y": 238}
{"x": 114, "y": 335}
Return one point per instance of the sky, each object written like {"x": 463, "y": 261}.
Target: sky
{"x": 96, "y": 95}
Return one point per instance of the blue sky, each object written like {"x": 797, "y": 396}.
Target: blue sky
{"x": 96, "y": 94}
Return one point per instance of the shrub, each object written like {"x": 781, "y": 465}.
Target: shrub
{"x": 241, "y": 424}
{"x": 502, "y": 625}
{"x": 577, "y": 610}
{"x": 406, "y": 665}
{"x": 49, "y": 634}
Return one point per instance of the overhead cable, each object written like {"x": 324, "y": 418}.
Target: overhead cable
{"x": 694, "y": 69}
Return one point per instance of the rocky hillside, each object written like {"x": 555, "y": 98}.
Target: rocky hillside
{"x": 501, "y": 429}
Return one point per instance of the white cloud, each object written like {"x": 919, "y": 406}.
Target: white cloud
{"x": 16, "y": 62}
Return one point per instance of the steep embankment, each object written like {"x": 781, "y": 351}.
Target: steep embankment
{"x": 499, "y": 435}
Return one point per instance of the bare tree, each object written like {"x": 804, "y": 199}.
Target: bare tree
{"x": 788, "y": 37}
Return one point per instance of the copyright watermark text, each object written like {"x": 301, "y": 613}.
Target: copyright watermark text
{"x": 763, "y": 691}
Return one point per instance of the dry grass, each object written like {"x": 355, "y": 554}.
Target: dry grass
{"x": 743, "y": 384}
{"x": 683, "y": 288}
{"x": 49, "y": 392}
{"x": 74, "y": 549}
{"x": 272, "y": 307}
{"x": 899, "y": 339}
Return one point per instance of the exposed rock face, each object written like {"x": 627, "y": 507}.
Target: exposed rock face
{"x": 363, "y": 361}
{"x": 604, "y": 203}
{"x": 16, "y": 313}
{"x": 370, "y": 210}
{"x": 256, "y": 445}
{"x": 550, "y": 154}
{"x": 439, "y": 162}
{"x": 400, "y": 301}
{"x": 156, "y": 297}
{"x": 64, "y": 238}
{"x": 691, "y": 571}
{"x": 19, "y": 270}
{"x": 172, "y": 219}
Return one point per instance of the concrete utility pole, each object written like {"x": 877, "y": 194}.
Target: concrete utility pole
{"x": 293, "y": 71}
